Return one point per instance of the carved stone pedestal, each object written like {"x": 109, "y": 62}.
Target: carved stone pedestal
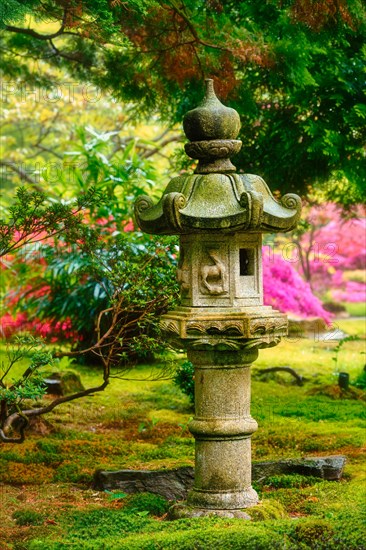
{"x": 222, "y": 344}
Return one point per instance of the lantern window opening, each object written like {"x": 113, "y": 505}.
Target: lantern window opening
{"x": 246, "y": 262}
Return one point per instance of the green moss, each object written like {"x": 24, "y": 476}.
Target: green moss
{"x": 27, "y": 517}
{"x": 267, "y": 509}
{"x": 178, "y": 535}
{"x": 72, "y": 473}
{"x": 290, "y": 481}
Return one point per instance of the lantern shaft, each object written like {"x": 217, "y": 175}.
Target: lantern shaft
{"x": 222, "y": 428}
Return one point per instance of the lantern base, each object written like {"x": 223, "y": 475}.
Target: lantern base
{"x": 183, "y": 510}
{"x": 222, "y": 500}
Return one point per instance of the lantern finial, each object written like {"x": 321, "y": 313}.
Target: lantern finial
{"x": 212, "y": 128}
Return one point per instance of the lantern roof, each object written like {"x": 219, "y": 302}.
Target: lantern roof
{"x": 215, "y": 197}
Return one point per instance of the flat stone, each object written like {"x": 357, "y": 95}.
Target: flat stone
{"x": 63, "y": 383}
{"x": 175, "y": 484}
{"x": 329, "y": 468}
{"x": 171, "y": 484}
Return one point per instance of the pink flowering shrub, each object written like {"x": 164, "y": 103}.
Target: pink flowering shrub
{"x": 351, "y": 291}
{"x": 285, "y": 290}
{"x": 331, "y": 251}
{"x": 50, "y": 330}
{"x": 34, "y": 288}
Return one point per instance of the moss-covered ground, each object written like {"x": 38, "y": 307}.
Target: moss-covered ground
{"x": 46, "y": 497}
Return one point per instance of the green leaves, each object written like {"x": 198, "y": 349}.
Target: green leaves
{"x": 278, "y": 63}
{"x": 29, "y": 384}
{"x": 33, "y": 218}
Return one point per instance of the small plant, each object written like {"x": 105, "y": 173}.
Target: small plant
{"x": 148, "y": 425}
{"x": 184, "y": 426}
{"x": 338, "y": 348}
{"x": 184, "y": 379}
{"x": 27, "y": 517}
{"x": 360, "y": 381}
{"x": 147, "y": 503}
{"x": 115, "y": 495}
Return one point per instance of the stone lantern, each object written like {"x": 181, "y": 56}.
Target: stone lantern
{"x": 220, "y": 216}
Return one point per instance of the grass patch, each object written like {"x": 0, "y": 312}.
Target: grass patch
{"x": 355, "y": 309}
{"x": 143, "y": 425}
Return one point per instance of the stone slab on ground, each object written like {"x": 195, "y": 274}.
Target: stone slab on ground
{"x": 329, "y": 468}
{"x": 171, "y": 484}
{"x": 174, "y": 484}
{"x": 63, "y": 383}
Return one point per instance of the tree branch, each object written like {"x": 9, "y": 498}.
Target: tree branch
{"x": 299, "y": 379}
{"x": 35, "y": 34}
{"x": 23, "y": 175}
{"x": 48, "y": 408}
{"x": 39, "y": 36}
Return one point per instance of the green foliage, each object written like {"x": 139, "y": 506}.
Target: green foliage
{"x": 129, "y": 277}
{"x": 360, "y": 381}
{"x": 32, "y": 218}
{"x": 294, "y": 72}
{"x": 147, "y": 504}
{"x": 114, "y": 165}
{"x": 314, "y": 530}
{"x": 98, "y": 273}
{"x": 27, "y": 517}
{"x": 184, "y": 379}
{"x": 289, "y": 481}
{"x": 12, "y": 10}
{"x": 29, "y": 385}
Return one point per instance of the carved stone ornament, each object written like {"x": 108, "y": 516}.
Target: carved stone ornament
{"x": 213, "y": 275}
{"x": 183, "y": 276}
{"x": 222, "y": 322}
{"x": 219, "y": 328}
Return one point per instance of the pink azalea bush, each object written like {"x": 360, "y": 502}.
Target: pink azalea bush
{"x": 285, "y": 290}
{"x": 351, "y": 291}
{"x": 337, "y": 245}
{"x": 50, "y": 330}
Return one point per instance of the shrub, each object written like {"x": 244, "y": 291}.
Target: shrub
{"x": 285, "y": 290}
{"x": 130, "y": 277}
{"x": 184, "y": 379}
